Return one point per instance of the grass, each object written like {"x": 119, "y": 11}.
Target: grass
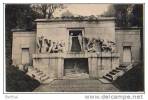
{"x": 18, "y": 81}
{"x": 132, "y": 81}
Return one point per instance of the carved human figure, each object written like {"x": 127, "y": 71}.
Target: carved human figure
{"x": 63, "y": 45}
{"x": 91, "y": 46}
{"x": 39, "y": 44}
{"x": 54, "y": 48}
{"x": 47, "y": 45}
{"x": 113, "y": 46}
{"x": 60, "y": 47}
{"x": 50, "y": 45}
{"x": 98, "y": 45}
{"x": 108, "y": 46}
{"x": 44, "y": 46}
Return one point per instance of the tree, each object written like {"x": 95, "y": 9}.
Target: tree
{"x": 18, "y": 16}
{"x": 126, "y": 14}
{"x": 67, "y": 14}
{"x": 46, "y": 10}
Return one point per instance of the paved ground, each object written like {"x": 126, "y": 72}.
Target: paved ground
{"x": 76, "y": 85}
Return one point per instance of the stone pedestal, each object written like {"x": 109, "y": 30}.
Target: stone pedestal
{"x": 98, "y": 63}
{"x": 102, "y": 63}
{"x": 50, "y": 64}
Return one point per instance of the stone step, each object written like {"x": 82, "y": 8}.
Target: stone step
{"x": 112, "y": 72}
{"x": 37, "y": 70}
{"x": 122, "y": 66}
{"x": 116, "y": 70}
{"x": 33, "y": 71}
{"x": 29, "y": 74}
{"x": 30, "y": 69}
{"x": 40, "y": 73}
{"x": 108, "y": 78}
{"x": 111, "y": 76}
{"x": 119, "y": 68}
{"x": 43, "y": 75}
{"x": 44, "y": 78}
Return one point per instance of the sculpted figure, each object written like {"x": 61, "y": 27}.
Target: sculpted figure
{"x": 45, "y": 46}
{"x": 113, "y": 46}
{"x": 60, "y": 47}
{"x": 48, "y": 45}
{"x": 42, "y": 43}
{"x": 91, "y": 47}
{"x": 39, "y": 44}
{"x": 54, "y": 48}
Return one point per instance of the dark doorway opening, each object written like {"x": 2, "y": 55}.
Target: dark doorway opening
{"x": 75, "y": 40}
{"x": 76, "y": 67}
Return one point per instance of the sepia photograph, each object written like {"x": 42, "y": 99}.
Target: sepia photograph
{"x": 73, "y": 47}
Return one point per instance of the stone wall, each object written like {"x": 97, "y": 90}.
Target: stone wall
{"x": 59, "y": 30}
{"x": 129, "y": 37}
{"x": 50, "y": 64}
{"x": 98, "y": 64}
{"x": 22, "y": 40}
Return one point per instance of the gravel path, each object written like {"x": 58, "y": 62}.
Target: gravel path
{"x": 76, "y": 85}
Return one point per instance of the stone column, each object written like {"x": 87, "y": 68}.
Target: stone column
{"x": 52, "y": 67}
{"x": 94, "y": 67}
{"x": 60, "y": 67}
{"x": 99, "y": 67}
{"x": 92, "y": 62}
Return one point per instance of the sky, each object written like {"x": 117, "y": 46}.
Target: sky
{"x": 84, "y": 9}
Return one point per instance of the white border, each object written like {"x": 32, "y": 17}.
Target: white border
{"x": 76, "y": 95}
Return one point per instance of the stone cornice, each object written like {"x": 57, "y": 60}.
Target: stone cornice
{"x": 76, "y": 19}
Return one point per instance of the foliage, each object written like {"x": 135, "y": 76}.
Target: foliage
{"x": 126, "y": 14}
{"x": 16, "y": 16}
{"x": 46, "y": 10}
{"x": 18, "y": 81}
{"x": 67, "y": 14}
{"x": 133, "y": 80}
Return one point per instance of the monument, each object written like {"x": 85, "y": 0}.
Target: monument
{"x": 91, "y": 47}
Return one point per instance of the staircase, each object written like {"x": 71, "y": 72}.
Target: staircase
{"x": 38, "y": 75}
{"x": 117, "y": 72}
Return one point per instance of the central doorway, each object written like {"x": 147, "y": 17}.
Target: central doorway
{"x": 76, "y": 68}
{"x": 75, "y": 41}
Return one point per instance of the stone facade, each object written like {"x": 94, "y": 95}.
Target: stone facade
{"x": 58, "y": 30}
{"x": 22, "y": 40}
{"x": 107, "y": 46}
{"x": 98, "y": 64}
{"x": 129, "y": 37}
